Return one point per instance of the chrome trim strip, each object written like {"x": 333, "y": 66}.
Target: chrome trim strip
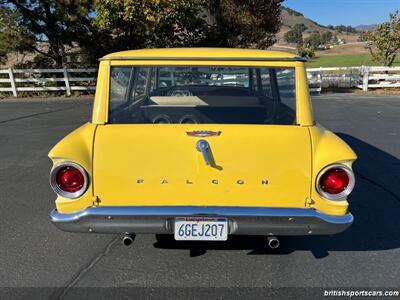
{"x": 182, "y": 58}
{"x": 227, "y": 211}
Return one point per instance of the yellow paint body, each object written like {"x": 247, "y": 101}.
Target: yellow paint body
{"x": 157, "y": 164}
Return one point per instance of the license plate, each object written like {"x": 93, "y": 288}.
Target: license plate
{"x": 201, "y": 229}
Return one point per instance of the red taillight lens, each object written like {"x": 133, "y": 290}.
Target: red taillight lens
{"x": 334, "y": 181}
{"x": 70, "y": 179}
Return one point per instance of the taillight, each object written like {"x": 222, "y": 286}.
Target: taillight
{"x": 335, "y": 182}
{"x": 68, "y": 180}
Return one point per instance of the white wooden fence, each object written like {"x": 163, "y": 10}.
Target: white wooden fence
{"x": 47, "y": 80}
{"x": 354, "y": 77}
{"x": 56, "y": 80}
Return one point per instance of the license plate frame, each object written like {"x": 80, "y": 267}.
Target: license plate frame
{"x": 201, "y": 229}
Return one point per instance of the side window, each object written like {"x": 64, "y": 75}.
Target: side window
{"x": 153, "y": 80}
{"x": 287, "y": 86}
{"x": 119, "y": 83}
{"x": 266, "y": 82}
{"x": 139, "y": 88}
{"x": 262, "y": 82}
{"x": 167, "y": 77}
{"x": 238, "y": 77}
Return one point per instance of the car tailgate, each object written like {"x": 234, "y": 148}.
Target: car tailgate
{"x": 153, "y": 165}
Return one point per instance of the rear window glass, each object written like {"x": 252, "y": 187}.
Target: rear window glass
{"x": 203, "y": 95}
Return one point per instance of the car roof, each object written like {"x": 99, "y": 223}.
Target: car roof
{"x": 202, "y": 54}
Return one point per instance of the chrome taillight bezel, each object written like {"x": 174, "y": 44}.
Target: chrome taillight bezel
{"x": 58, "y": 190}
{"x": 342, "y": 195}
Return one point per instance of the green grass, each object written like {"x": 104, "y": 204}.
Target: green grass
{"x": 345, "y": 61}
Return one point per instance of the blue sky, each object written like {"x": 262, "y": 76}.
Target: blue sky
{"x": 346, "y": 12}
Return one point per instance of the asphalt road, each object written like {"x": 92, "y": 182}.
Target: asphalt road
{"x": 33, "y": 253}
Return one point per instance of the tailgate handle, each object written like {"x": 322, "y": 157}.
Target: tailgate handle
{"x": 202, "y": 146}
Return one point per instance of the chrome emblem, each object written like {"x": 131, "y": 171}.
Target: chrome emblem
{"x": 203, "y": 133}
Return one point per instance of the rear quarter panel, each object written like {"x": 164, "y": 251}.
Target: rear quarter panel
{"x": 327, "y": 149}
{"x": 76, "y": 147}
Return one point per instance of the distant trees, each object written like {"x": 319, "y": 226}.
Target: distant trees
{"x": 314, "y": 40}
{"x": 171, "y": 23}
{"x": 5, "y": 43}
{"x": 384, "y": 41}
{"x": 326, "y": 37}
{"x": 58, "y": 23}
{"x": 3, "y": 48}
{"x": 141, "y": 24}
{"x": 244, "y": 23}
{"x": 12, "y": 36}
{"x": 305, "y": 51}
{"x": 319, "y": 40}
{"x": 342, "y": 28}
{"x": 300, "y": 27}
{"x": 295, "y": 35}
{"x": 91, "y": 28}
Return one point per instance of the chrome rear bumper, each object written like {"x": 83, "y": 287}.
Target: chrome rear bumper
{"x": 160, "y": 219}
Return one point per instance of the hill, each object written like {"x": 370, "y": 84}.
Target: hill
{"x": 366, "y": 27}
{"x": 291, "y": 17}
{"x": 350, "y": 40}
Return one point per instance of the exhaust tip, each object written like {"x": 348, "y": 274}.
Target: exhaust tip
{"x": 273, "y": 242}
{"x": 128, "y": 239}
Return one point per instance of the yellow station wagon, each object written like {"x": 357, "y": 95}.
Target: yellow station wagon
{"x": 202, "y": 144}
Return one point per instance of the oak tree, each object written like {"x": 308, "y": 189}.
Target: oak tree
{"x": 50, "y": 28}
{"x": 151, "y": 23}
{"x": 384, "y": 41}
{"x": 245, "y": 23}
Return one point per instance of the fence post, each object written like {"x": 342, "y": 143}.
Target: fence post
{"x": 12, "y": 81}
{"x": 351, "y": 78}
{"x": 320, "y": 79}
{"x": 365, "y": 78}
{"x": 66, "y": 79}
